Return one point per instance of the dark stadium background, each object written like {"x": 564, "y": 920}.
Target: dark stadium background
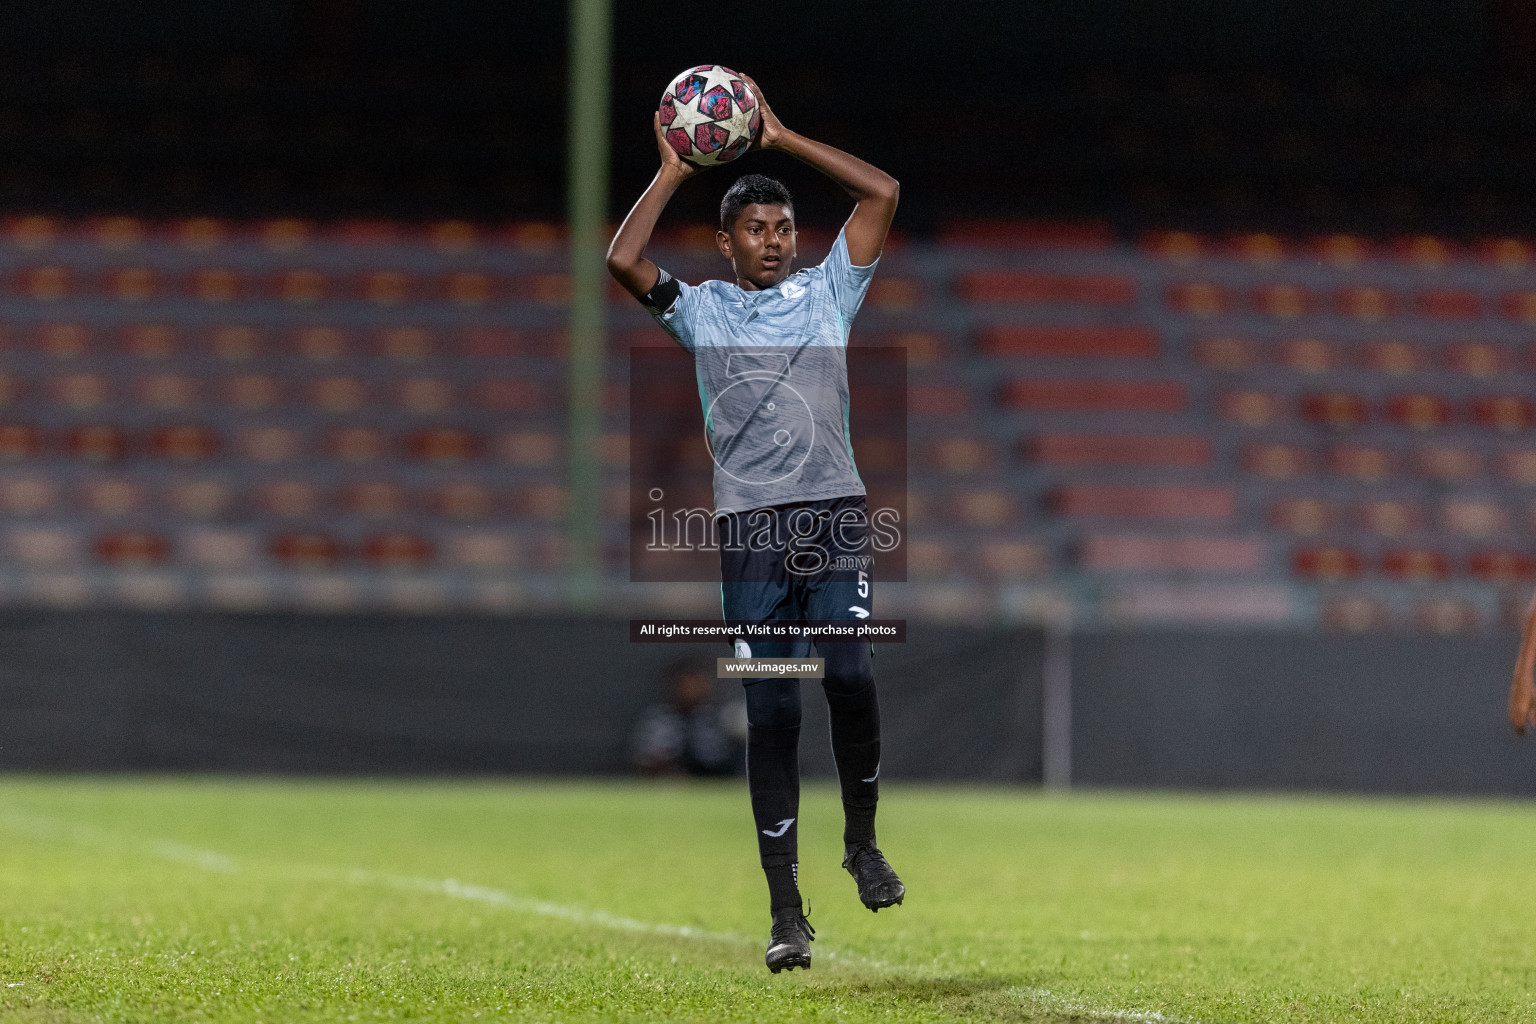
{"x": 1140, "y": 199}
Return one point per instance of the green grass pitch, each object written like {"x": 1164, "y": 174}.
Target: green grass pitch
{"x": 210, "y": 900}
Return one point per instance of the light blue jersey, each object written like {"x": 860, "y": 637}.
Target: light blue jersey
{"x": 773, "y": 381}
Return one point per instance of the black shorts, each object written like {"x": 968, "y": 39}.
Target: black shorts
{"x": 805, "y": 560}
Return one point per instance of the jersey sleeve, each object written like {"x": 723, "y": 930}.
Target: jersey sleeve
{"x": 848, "y": 283}
{"x": 676, "y": 316}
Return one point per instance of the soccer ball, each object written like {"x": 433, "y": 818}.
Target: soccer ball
{"x": 709, "y": 115}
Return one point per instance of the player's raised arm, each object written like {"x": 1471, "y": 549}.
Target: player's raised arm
{"x": 627, "y": 261}
{"x": 874, "y": 192}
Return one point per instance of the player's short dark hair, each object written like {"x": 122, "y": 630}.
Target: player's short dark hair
{"x": 750, "y": 189}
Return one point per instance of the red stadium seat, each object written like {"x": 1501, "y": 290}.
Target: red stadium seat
{"x": 150, "y": 341}
{"x": 80, "y": 390}
{"x": 1362, "y": 303}
{"x": 1448, "y": 463}
{"x": 30, "y": 232}
{"x": 1511, "y": 254}
{"x": 1355, "y": 614}
{"x": 45, "y": 284}
{"x": 1180, "y": 247}
{"x": 1305, "y": 517}
{"x": 442, "y": 445}
{"x": 529, "y": 448}
{"x": 112, "y": 497}
{"x": 1120, "y": 553}
{"x": 18, "y": 441}
{"x": 1283, "y": 301}
{"x": 1119, "y": 449}
{"x": 1069, "y": 342}
{"x": 1277, "y": 461}
{"x": 306, "y": 550}
{"x": 931, "y": 560}
{"x": 1390, "y": 518}
{"x": 356, "y": 444}
{"x": 1154, "y": 502}
{"x": 216, "y": 284}
{"x": 1198, "y": 298}
{"x": 499, "y": 343}
{"x": 1508, "y": 413}
{"x": 1500, "y": 566}
{"x": 471, "y": 288}
{"x": 1341, "y": 410}
{"x": 96, "y": 442}
{"x": 1039, "y": 286}
{"x": 1364, "y": 463}
{"x": 1449, "y": 304}
{"x": 398, "y": 551}
{"x": 374, "y": 499}
{"x": 1327, "y": 563}
{"x": 131, "y": 548}
{"x": 1226, "y": 353}
{"x": 1418, "y": 411}
{"x": 1250, "y": 408}
{"x": 1474, "y": 517}
{"x": 541, "y": 289}
{"x": 269, "y": 444}
{"x": 1308, "y": 355}
{"x": 1519, "y": 306}
{"x": 452, "y": 236}
{"x": 938, "y": 400}
{"x": 185, "y": 443}
{"x": 1059, "y": 395}
{"x": 63, "y": 341}
{"x": 167, "y": 390}
{"x": 513, "y": 395}
{"x": 1476, "y": 359}
{"x": 1393, "y": 357}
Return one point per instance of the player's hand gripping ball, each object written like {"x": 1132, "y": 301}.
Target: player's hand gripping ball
{"x": 709, "y": 115}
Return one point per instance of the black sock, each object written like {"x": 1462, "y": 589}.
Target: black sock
{"x": 773, "y": 779}
{"x": 856, "y": 748}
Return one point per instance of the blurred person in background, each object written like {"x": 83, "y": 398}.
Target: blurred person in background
{"x": 694, "y": 732}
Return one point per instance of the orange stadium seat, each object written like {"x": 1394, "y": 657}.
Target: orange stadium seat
{"x": 300, "y": 286}
{"x": 1180, "y": 247}
{"x": 1277, "y": 461}
{"x": 12, "y": 388}
{"x": 45, "y": 284}
{"x": 149, "y": 341}
{"x": 1425, "y": 252}
{"x": 513, "y": 395}
{"x": 1511, "y": 254}
{"x": 130, "y": 284}
{"x": 1519, "y": 306}
{"x": 126, "y": 548}
{"x": 1448, "y": 463}
{"x": 541, "y": 501}
{"x": 374, "y": 499}
{"x": 1341, "y": 410}
{"x": 931, "y": 560}
{"x": 356, "y": 444}
{"x": 443, "y": 445}
{"x": 469, "y": 288}
{"x": 1154, "y": 502}
{"x": 1283, "y": 301}
{"x": 185, "y": 443}
{"x": 1449, "y": 304}
{"x": 1364, "y": 463}
{"x": 1062, "y": 395}
{"x": 1039, "y": 286}
{"x": 96, "y": 442}
{"x": 1419, "y": 411}
{"x": 1476, "y": 359}
{"x": 1308, "y": 355}
{"x": 452, "y": 236}
{"x": 216, "y": 284}
{"x": 1508, "y": 413}
{"x": 63, "y": 340}
{"x": 1474, "y": 517}
{"x": 199, "y": 234}
{"x": 365, "y": 232}
{"x": 1250, "y": 408}
{"x": 398, "y": 550}
{"x": 1390, "y": 518}
{"x": 284, "y": 235}
{"x": 1226, "y": 353}
{"x": 386, "y": 287}
{"x": 306, "y": 550}
{"x": 18, "y": 441}
{"x": 223, "y": 549}
{"x": 1198, "y": 298}
{"x": 1327, "y": 563}
{"x": 80, "y": 390}
{"x": 1364, "y": 303}
{"x": 30, "y": 232}
{"x": 1119, "y": 449}
{"x": 1259, "y": 248}
{"x": 1305, "y": 517}
{"x": 483, "y": 549}
{"x": 1355, "y": 614}
{"x": 1393, "y": 357}
{"x": 1069, "y": 342}
{"x": 1343, "y": 252}
{"x": 251, "y": 391}
{"x": 236, "y": 343}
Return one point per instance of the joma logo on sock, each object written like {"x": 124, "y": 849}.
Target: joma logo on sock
{"x": 783, "y": 827}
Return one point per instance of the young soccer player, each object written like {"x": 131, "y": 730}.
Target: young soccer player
{"x": 769, "y": 353}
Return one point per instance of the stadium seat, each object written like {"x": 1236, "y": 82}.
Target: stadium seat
{"x": 1509, "y": 254}
{"x": 1446, "y": 615}
{"x": 1088, "y": 236}
{"x": 453, "y": 236}
{"x": 184, "y": 443}
{"x": 1474, "y": 517}
{"x": 167, "y": 390}
{"x": 1502, "y": 566}
{"x": 1130, "y": 553}
{"x": 300, "y": 286}
{"x": 80, "y": 390}
{"x": 1179, "y": 247}
{"x": 1305, "y": 517}
{"x": 321, "y": 344}
{"x": 938, "y": 400}
{"x": 216, "y": 284}
{"x": 1005, "y": 561}
{"x": 1327, "y": 563}
{"x": 1393, "y": 357}
{"x": 386, "y": 287}
{"x": 1069, "y": 342}
{"x": 961, "y": 456}
{"x": 990, "y": 509}
{"x": 125, "y": 548}
{"x": 1154, "y": 502}
{"x": 28, "y": 496}
{"x": 221, "y": 548}
{"x": 96, "y": 442}
{"x": 150, "y": 341}
{"x": 1198, "y": 298}
{"x": 1341, "y": 410}
{"x": 338, "y": 394}
{"x": 540, "y": 289}
{"x": 424, "y": 395}
{"x": 1277, "y": 461}
{"x": 236, "y": 343}
{"x": 931, "y": 560}
{"x": 1226, "y": 353}
{"x": 1283, "y": 301}
{"x": 1259, "y": 249}
{"x": 406, "y": 344}
{"x": 306, "y": 550}
{"x": 1355, "y": 614}
{"x": 542, "y": 501}
{"x": 130, "y": 284}
{"x": 1425, "y": 252}
{"x": 199, "y": 234}
{"x": 1308, "y": 355}
{"x": 30, "y": 232}
{"x": 1037, "y": 286}
{"x": 251, "y": 391}
{"x": 63, "y": 340}
{"x": 1119, "y": 449}
{"x": 111, "y": 497}
{"x": 1343, "y": 252}
{"x": 1519, "y": 466}
{"x": 528, "y": 448}
{"x": 269, "y": 444}
{"x": 1066, "y": 395}
{"x": 1448, "y": 463}
{"x": 1250, "y": 408}
{"x": 374, "y": 499}
{"x": 398, "y": 551}
{"x": 1510, "y": 414}
{"x": 470, "y": 288}
{"x": 1519, "y": 306}
{"x": 1419, "y": 412}
{"x": 289, "y": 499}
{"x": 46, "y": 546}
{"x": 894, "y": 294}
{"x": 1449, "y": 304}
{"x": 482, "y": 549}
{"x": 1364, "y": 463}
{"x": 284, "y": 235}
{"x": 1363, "y": 303}
{"x": 200, "y": 498}
{"x": 45, "y": 284}
{"x": 1390, "y": 518}
{"x": 1476, "y": 359}
{"x": 462, "y": 501}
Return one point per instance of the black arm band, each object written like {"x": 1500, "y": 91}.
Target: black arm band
{"x": 663, "y": 294}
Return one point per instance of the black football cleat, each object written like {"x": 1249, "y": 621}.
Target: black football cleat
{"x": 789, "y": 944}
{"x": 878, "y": 884}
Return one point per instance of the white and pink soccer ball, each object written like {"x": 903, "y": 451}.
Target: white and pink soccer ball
{"x": 709, "y": 115}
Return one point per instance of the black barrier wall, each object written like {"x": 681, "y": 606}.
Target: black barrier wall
{"x": 246, "y": 693}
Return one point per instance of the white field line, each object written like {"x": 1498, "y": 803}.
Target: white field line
{"x": 81, "y": 834}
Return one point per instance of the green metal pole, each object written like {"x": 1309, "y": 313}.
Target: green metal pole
{"x": 587, "y": 209}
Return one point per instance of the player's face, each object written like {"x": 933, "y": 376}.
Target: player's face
{"x": 760, "y": 245}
